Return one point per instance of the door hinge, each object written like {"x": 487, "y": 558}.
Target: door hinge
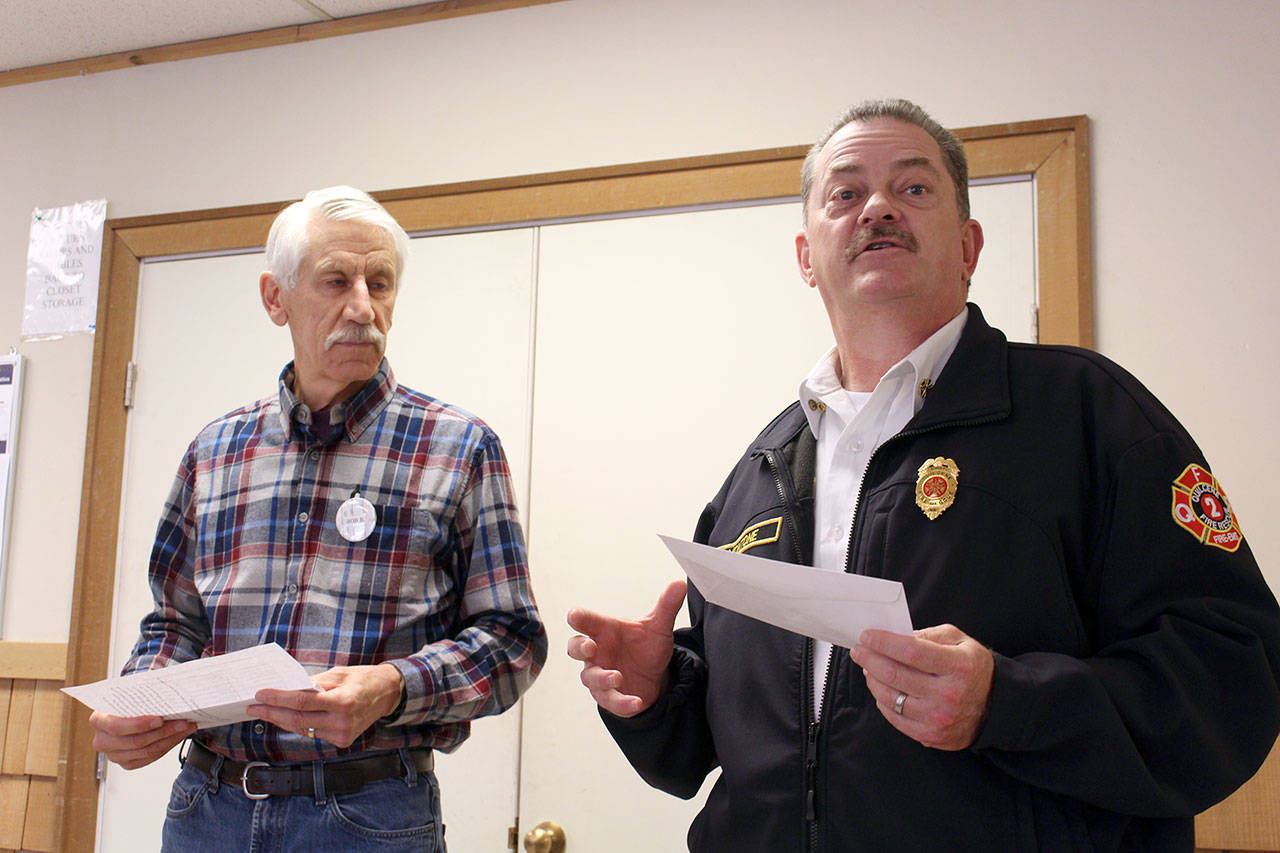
{"x": 513, "y": 835}
{"x": 101, "y": 772}
{"x": 130, "y": 383}
{"x": 1035, "y": 324}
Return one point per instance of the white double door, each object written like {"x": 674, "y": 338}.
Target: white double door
{"x": 625, "y": 364}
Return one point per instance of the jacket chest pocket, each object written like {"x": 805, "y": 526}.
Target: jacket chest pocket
{"x": 983, "y": 564}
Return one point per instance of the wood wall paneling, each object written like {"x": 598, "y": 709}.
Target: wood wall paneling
{"x": 13, "y": 810}
{"x": 21, "y": 699}
{"x": 6, "y": 690}
{"x": 1248, "y": 819}
{"x": 33, "y": 660}
{"x": 31, "y": 711}
{"x": 44, "y": 737}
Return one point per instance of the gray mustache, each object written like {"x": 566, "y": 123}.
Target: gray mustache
{"x": 355, "y": 335}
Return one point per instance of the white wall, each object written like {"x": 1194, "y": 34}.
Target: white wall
{"x": 1182, "y": 96}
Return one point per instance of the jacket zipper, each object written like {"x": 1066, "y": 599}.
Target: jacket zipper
{"x": 810, "y": 811}
{"x": 788, "y": 501}
{"x": 812, "y": 728}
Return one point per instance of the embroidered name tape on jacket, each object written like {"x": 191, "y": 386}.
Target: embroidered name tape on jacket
{"x": 757, "y": 534}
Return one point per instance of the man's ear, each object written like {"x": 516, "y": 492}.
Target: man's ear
{"x": 273, "y": 298}
{"x": 802, "y": 258}
{"x": 971, "y": 246}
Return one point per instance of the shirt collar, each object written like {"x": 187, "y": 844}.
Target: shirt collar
{"x": 924, "y": 363}
{"x": 355, "y": 413}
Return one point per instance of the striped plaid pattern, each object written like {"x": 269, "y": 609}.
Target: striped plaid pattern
{"x": 248, "y": 552}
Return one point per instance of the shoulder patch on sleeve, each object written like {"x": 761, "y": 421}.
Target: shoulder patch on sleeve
{"x": 1201, "y": 508}
{"x": 757, "y": 534}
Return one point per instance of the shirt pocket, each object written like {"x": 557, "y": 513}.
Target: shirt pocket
{"x": 403, "y": 571}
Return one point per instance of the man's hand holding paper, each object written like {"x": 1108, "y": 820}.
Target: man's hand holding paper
{"x": 134, "y": 742}
{"x": 138, "y": 718}
{"x": 932, "y": 684}
{"x": 351, "y": 699}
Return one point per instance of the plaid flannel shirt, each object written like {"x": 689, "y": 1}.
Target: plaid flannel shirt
{"x": 248, "y": 552}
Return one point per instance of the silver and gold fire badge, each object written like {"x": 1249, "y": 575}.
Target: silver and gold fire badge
{"x": 1201, "y": 508}
{"x": 936, "y": 483}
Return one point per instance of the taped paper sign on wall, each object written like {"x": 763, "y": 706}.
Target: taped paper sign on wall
{"x": 63, "y": 259}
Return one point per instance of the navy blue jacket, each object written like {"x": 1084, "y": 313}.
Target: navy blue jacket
{"x": 1137, "y": 646}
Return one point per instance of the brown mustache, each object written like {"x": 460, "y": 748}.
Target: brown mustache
{"x": 355, "y": 335}
{"x": 877, "y": 233}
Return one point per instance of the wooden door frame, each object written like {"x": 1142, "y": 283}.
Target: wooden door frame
{"x": 1053, "y": 152}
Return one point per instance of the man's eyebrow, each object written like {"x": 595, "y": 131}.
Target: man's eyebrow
{"x": 913, "y": 162}
{"x": 844, "y": 167}
{"x": 331, "y": 264}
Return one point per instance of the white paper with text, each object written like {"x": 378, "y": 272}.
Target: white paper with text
{"x": 213, "y": 691}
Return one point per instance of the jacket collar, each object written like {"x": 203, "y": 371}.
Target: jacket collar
{"x": 973, "y": 386}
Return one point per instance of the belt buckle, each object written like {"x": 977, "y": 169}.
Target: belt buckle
{"x": 244, "y": 780}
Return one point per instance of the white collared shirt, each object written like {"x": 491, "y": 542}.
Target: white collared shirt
{"x": 849, "y": 426}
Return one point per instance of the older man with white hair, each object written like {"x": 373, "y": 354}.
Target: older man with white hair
{"x": 370, "y": 531}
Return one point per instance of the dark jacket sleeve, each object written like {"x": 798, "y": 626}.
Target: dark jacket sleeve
{"x": 1179, "y": 704}
{"x": 669, "y": 744}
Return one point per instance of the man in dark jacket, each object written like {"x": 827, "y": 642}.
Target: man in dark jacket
{"x": 1103, "y": 656}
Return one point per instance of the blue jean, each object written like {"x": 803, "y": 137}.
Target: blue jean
{"x": 397, "y": 815}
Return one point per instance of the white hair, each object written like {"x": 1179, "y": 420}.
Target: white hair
{"x": 288, "y": 241}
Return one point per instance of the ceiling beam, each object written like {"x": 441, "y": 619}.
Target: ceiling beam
{"x": 276, "y": 36}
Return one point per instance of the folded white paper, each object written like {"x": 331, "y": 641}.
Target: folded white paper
{"x": 832, "y": 606}
{"x": 213, "y": 691}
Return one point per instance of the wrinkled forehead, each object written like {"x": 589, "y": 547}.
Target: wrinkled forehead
{"x": 331, "y": 239}
{"x": 889, "y": 142}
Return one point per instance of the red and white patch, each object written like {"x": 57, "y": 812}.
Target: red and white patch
{"x": 1201, "y": 508}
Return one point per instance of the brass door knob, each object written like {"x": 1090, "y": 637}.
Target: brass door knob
{"x": 546, "y": 837}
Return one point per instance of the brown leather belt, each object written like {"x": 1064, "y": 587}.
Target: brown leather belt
{"x": 260, "y": 780}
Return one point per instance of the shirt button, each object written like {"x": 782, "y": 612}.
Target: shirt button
{"x": 857, "y": 446}
{"x": 302, "y": 518}
{"x": 259, "y": 728}
{"x": 813, "y": 404}
{"x": 293, "y": 588}
{"x": 314, "y": 455}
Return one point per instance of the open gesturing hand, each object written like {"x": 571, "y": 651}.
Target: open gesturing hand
{"x": 624, "y": 661}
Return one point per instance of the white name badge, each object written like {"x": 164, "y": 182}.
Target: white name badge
{"x": 356, "y": 518}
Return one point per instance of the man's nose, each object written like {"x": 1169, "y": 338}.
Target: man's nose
{"x": 359, "y": 307}
{"x": 880, "y": 207}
